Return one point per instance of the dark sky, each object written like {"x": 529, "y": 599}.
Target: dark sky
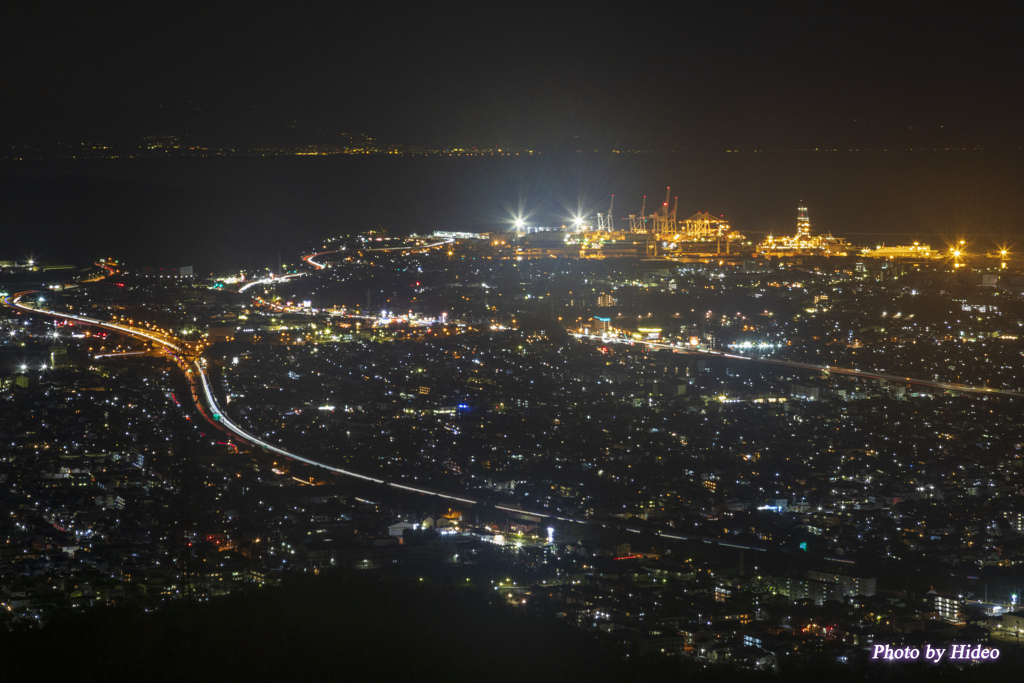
{"x": 596, "y": 74}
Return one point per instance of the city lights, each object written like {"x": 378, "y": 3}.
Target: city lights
{"x": 466, "y": 377}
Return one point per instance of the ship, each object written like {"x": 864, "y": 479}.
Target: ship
{"x": 915, "y": 251}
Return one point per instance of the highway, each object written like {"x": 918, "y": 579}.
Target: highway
{"x": 203, "y": 392}
{"x": 269, "y": 280}
{"x": 100, "y": 264}
{"x": 207, "y": 404}
{"x": 415, "y": 247}
{"x": 898, "y": 379}
{"x": 14, "y": 301}
{"x": 308, "y": 258}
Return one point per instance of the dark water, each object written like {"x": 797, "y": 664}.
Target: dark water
{"x": 225, "y": 213}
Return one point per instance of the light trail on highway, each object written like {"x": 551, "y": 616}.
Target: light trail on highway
{"x": 308, "y": 258}
{"x": 441, "y": 243}
{"x": 245, "y": 435}
{"x": 14, "y": 301}
{"x": 853, "y": 372}
{"x": 220, "y": 419}
{"x": 109, "y": 269}
{"x": 269, "y": 280}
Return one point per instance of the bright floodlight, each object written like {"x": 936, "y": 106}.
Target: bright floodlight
{"x": 520, "y": 222}
{"x": 578, "y": 220}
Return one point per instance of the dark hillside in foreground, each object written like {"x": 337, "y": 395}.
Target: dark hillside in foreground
{"x": 368, "y": 628}
{"x": 322, "y": 629}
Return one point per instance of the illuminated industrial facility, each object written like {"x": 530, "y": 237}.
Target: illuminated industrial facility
{"x": 803, "y": 242}
{"x": 658, "y": 234}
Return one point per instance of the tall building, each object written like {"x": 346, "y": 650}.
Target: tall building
{"x": 803, "y": 223}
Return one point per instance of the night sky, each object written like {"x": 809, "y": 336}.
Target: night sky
{"x": 700, "y": 80}
{"x": 592, "y": 74}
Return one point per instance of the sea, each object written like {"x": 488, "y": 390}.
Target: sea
{"x": 221, "y": 214}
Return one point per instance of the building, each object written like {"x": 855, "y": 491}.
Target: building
{"x": 849, "y": 585}
{"x": 820, "y": 587}
{"x": 949, "y": 607}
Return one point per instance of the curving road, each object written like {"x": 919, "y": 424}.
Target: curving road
{"x": 203, "y": 393}
{"x": 14, "y": 301}
{"x": 308, "y": 258}
{"x": 270, "y": 280}
{"x": 950, "y": 386}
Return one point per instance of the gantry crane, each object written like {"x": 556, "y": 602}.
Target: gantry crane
{"x": 607, "y": 222}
